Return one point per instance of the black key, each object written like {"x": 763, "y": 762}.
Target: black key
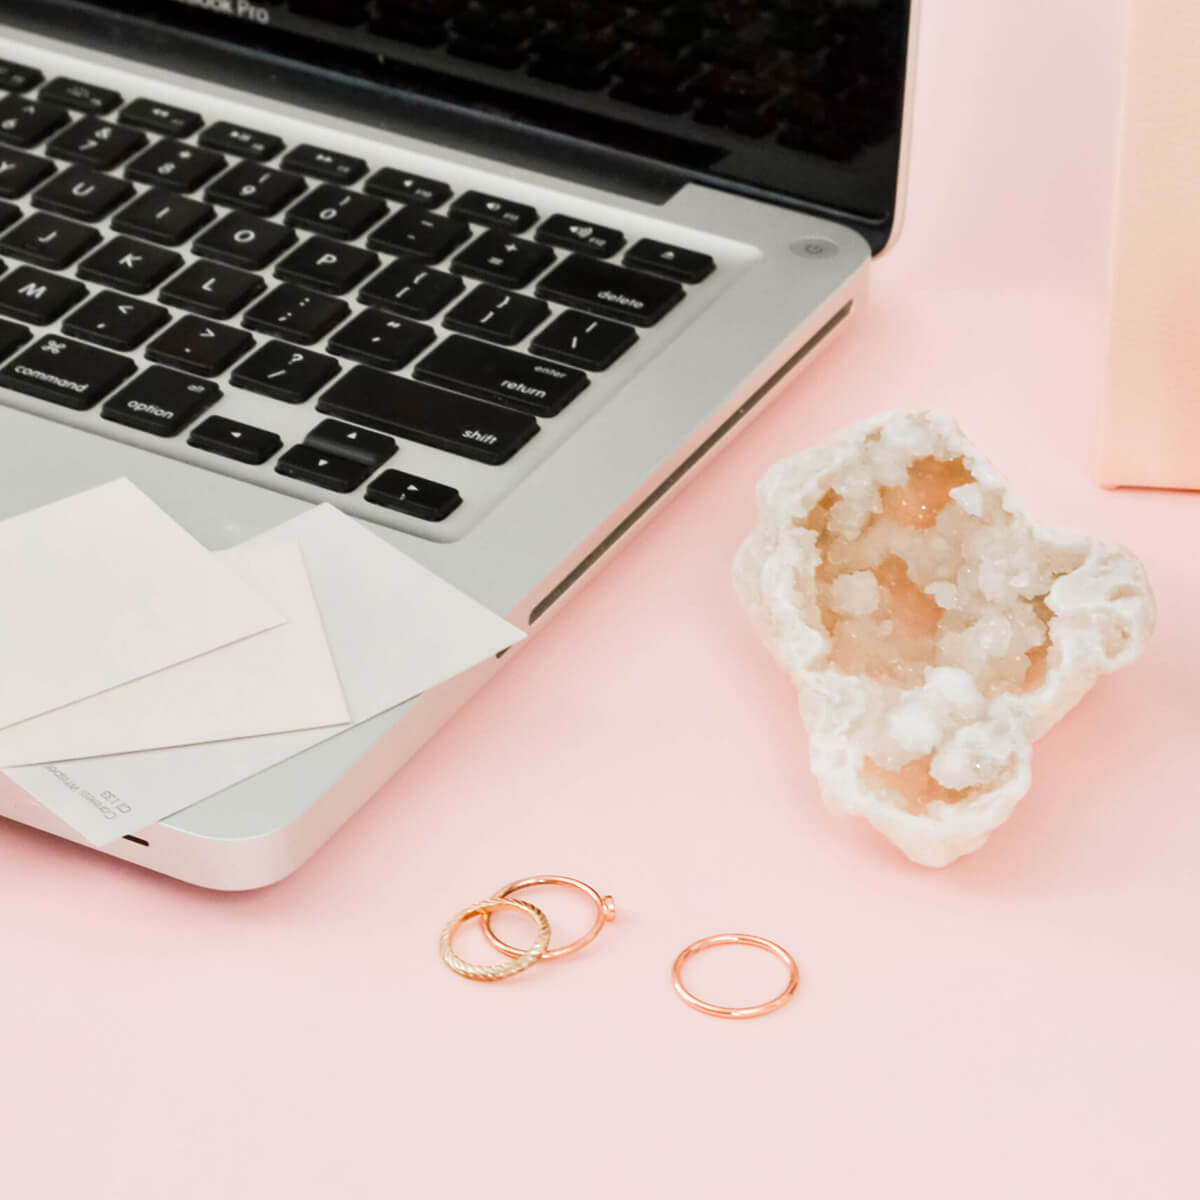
{"x": 14, "y": 77}
{"x": 242, "y": 240}
{"x": 497, "y": 315}
{"x": 499, "y": 258}
{"x": 383, "y": 341}
{"x": 118, "y": 322}
{"x": 583, "y": 341}
{"x": 581, "y": 236}
{"x": 337, "y": 212}
{"x": 348, "y": 441}
{"x": 328, "y": 265}
{"x": 160, "y": 118}
{"x": 419, "y": 234}
{"x": 12, "y": 336}
{"x": 163, "y": 217}
{"x": 256, "y": 189}
{"x": 38, "y": 297}
{"x": 285, "y": 372}
{"x": 410, "y": 494}
{"x": 295, "y": 313}
{"x": 48, "y": 241}
{"x": 83, "y": 193}
{"x": 232, "y": 439}
{"x": 503, "y": 376}
{"x": 428, "y": 415}
{"x": 212, "y": 290}
{"x": 237, "y": 139}
{"x": 324, "y": 164}
{"x": 322, "y": 470}
{"x": 175, "y": 165}
{"x": 66, "y": 372}
{"x": 411, "y": 189}
{"x": 199, "y": 346}
{"x": 610, "y": 291}
{"x": 8, "y": 214}
{"x": 411, "y": 290}
{"x": 674, "y": 262}
{"x": 130, "y": 265}
{"x": 95, "y": 143}
{"x": 25, "y": 122}
{"x": 19, "y": 172}
{"x": 83, "y": 97}
{"x": 493, "y": 211}
{"x": 161, "y": 402}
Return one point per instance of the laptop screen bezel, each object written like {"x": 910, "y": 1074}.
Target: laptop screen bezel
{"x": 166, "y": 31}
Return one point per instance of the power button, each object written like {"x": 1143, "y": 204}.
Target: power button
{"x": 814, "y": 247}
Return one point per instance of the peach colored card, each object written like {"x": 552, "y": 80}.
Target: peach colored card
{"x": 1151, "y": 428}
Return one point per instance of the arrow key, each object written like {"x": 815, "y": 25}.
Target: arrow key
{"x": 119, "y": 322}
{"x": 161, "y": 402}
{"x": 347, "y": 441}
{"x": 322, "y": 470}
{"x": 413, "y": 495}
{"x": 232, "y": 439}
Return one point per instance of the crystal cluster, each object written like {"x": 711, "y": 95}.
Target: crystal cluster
{"x": 932, "y": 630}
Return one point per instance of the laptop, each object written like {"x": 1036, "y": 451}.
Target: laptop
{"x": 495, "y": 278}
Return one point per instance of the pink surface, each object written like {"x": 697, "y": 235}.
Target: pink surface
{"x": 1023, "y": 1023}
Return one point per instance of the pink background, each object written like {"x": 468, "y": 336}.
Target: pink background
{"x": 1021, "y": 1024}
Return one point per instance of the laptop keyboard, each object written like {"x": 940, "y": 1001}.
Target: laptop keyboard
{"x": 183, "y": 259}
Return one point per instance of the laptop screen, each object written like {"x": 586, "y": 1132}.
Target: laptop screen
{"x": 798, "y": 101}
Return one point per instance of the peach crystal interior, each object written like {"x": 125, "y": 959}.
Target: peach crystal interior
{"x": 933, "y": 573}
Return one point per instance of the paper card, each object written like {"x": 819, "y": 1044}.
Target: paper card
{"x": 395, "y": 629}
{"x": 279, "y": 680}
{"x": 103, "y": 587}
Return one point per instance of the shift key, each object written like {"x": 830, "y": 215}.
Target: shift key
{"x": 428, "y": 415}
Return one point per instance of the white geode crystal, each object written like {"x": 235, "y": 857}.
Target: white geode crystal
{"x": 932, "y": 630}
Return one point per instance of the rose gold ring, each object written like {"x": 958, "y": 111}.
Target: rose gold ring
{"x": 736, "y": 939}
{"x": 490, "y": 973}
{"x": 606, "y": 910}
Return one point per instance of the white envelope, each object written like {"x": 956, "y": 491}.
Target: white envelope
{"x": 394, "y": 628}
{"x": 102, "y": 588}
{"x": 279, "y": 680}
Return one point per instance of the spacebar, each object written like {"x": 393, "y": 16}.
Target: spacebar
{"x": 427, "y": 414}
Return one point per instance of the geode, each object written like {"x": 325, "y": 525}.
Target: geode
{"x": 933, "y": 631}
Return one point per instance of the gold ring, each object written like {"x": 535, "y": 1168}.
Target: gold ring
{"x": 736, "y": 939}
{"x": 490, "y": 973}
{"x": 606, "y": 910}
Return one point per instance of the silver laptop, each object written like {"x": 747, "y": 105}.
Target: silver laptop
{"x": 494, "y": 277}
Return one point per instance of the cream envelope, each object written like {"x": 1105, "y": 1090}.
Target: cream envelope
{"x": 394, "y": 628}
{"x": 280, "y": 680}
{"x": 103, "y": 587}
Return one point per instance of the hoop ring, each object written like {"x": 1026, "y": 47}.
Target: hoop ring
{"x": 491, "y": 972}
{"x": 606, "y": 910}
{"x": 735, "y": 939}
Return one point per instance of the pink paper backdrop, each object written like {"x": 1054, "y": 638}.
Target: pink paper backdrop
{"x": 1021, "y": 1024}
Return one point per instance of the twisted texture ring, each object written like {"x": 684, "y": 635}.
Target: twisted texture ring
{"x": 490, "y": 973}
